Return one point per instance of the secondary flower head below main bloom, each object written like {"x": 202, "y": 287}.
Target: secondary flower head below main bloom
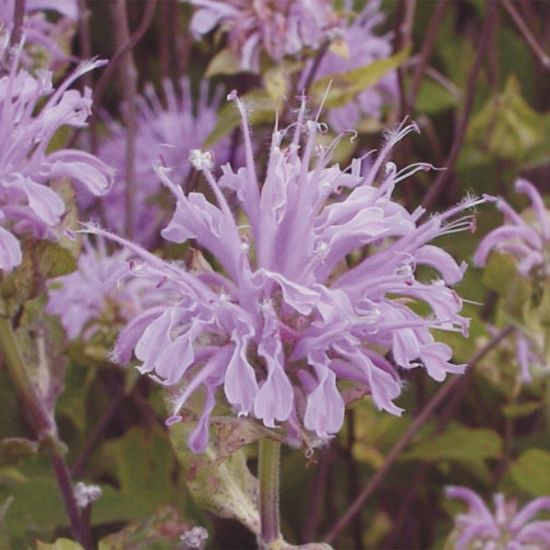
{"x": 284, "y": 319}
{"x": 95, "y": 291}
{"x": 506, "y": 528}
{"x": 31, "y": 112}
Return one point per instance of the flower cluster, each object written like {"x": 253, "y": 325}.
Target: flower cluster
{"x": 169, "y": 131}
{"x": 363, "y": 47}
{"x": 276, "y": 27}
{"x": 286, "y": 320}
{"x": 528, "y": 243}
{"x": 31, "y": 112}
{"x": 84, "y": 296}
{"x": 42, "y": 35}
{"x": 507, "y": 528}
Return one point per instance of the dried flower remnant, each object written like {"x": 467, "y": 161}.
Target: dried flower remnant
{"x": 283, "y": 323}
{"x": 194, "y": 539}
{"x": 506, "y": 528}
{"x": 27, "y": 204}
{"x": 363, "y": 46}
{"x": 43, "y": 37}
{"x": 86, "y": 494}
{"x": 171, "y": 131}
{"x": 276, "y": 27}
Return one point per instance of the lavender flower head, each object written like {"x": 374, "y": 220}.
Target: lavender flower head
{"x": 529, "y": 243}
{"x": 506, "y": 528}
{"x": 95, "y": 290}
{"x": 170, "y": 131}
{"x": 286, "y": 320}
{"x": 276, "y": 27}
{"x": 27, "y": 205}
{"x": 363, "y": 47}
{"x": 42, "y": 35}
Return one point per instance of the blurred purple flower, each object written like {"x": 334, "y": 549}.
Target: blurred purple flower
{"x": 26, "y": 130}
{"x": 363, "y": 47}
{"x": 527, "y": 242}
{"x": 170, "y": 131}
{"x": 40, "y": 31}
{"x": 286, "y": 319}
{"x": 95, "y": 288}
{"x": 506, "y": 528}
{"x": 278, "y": 27}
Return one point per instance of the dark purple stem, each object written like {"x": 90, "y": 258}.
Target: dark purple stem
{"x": 18, "y": 16}
{"x": 79, "y": 528}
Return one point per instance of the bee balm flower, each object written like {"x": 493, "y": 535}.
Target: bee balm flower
{"x": 170, "y": 130}
{"x": 285, "y": 320}
{"x": 507, "y": 528}
{"x": 26, "y": 203}
{"x": 278, "y": 27}
{"x": 528, "y": 242}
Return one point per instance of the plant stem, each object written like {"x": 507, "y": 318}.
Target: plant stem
{"x": 41, "y": 421}
{"x": 268, "y": 472}
{"x": 44, "y": 427}
{"x": 18, "y": 17}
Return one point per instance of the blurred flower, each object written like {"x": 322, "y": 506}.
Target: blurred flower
{"x": 169, "y": 131}
{"x": 527, "y": 345}
{"x": 26, "y": 130}
{"x": 42, "y": 35}
{"x": 278, "y": 27}
{"x": 527, "y": 242}
{"x": 287, "y": 318}
{"x": 95, "y": 290}
{"x": 362, "y": 47}
{"x": 506, "y": 528}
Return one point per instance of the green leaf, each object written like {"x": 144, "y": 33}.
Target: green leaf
{"x": 506, "y": 127}
{"x": 518, "y": 410}
{"x": 458, "y": 444}
{"x": 433, "y": 98}
{"x": 37, "y": 507}
{"x": 158, "y": 532}
{"x": 59, "y": 544}
{"x": 231, "y": 434}
{"x": 260, "y": 106}
{"x": 224, "y": 62}
{"x": 530, "y": 472}
{"x": 142, "y": 461}
{"x": 276, "y": 82}
{"x": 53, "y": 259}
{"x": 224, "y": 486}
{"x": 13, "y": 449}
{"x": 345, "y": 86}
{"x": 4, "y": 534}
